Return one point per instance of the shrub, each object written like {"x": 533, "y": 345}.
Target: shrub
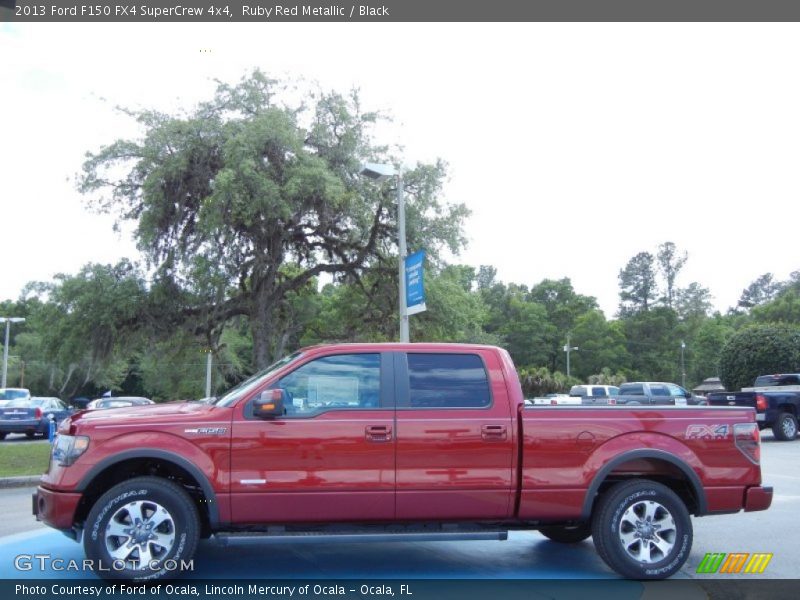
{"x": 759, "y": 350}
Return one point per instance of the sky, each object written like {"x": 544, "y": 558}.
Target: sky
{"x": 575, "y": 146}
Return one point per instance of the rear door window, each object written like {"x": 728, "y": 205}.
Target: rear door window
{"x": 447, "y": 381}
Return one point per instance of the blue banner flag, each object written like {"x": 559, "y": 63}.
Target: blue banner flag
{"x": 415, "y": 287}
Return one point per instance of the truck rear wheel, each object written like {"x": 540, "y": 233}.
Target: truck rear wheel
{"x": 785, "y": 428}
{"x": 567, "y": 534}
{"x": 142, "y": 529}
{"x": 642, "y": 530}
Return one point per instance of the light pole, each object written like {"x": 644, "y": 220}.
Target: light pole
{"x": 8, "y": 321}
{"x": 568, "y": 349}
{"x": 683, "y": 365}
{"x": 379, "y": 173}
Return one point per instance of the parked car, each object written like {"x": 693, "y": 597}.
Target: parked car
{"x": 415, "y": 441}
{"x": 553, "y": 400}
{"x": 118, "y": 402}
{"x": 596, "y": 390}
{"x": 776, "y": 399}
{"x": 648, "y": 393}
{"x": 9, "y": 394}
{"x": 31, "y": 416}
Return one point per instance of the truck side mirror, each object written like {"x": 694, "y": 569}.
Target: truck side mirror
{"x": 269, "y": 404}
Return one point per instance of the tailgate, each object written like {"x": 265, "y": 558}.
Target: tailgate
{"x": 743, "y": 399}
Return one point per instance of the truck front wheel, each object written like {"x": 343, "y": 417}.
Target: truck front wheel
{"x": 785, "y": 428}
{"x": 142, "y": 529}
{"x": 642, "y": 530}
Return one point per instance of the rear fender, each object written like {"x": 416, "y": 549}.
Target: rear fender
{"x": 605, "y": 459}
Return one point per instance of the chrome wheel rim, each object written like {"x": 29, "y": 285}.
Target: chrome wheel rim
{"x": 647, "y": 532}
{"x": 139, "y": 535}
{"x": 789, "y": 429}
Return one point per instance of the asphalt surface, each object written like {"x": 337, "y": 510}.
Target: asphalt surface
{"x": 526, "y": 555}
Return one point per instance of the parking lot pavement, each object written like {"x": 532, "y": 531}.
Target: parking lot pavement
{"x": 523, "y": 556}
{"x": 15, "y": 511}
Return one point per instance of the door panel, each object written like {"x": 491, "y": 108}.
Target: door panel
{"x": 453, "y": 462}
{"x": 331, "y": 457}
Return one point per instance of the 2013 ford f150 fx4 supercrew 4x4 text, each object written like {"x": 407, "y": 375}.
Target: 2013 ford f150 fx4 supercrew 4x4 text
{"x": 414, "y": 440}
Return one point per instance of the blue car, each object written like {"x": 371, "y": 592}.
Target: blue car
{"x": 31, "y": 416}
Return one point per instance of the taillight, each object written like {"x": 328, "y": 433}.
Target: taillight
{"x": 612, "y": 400}
{"x": 38, "y": 413}
{"x": 748, "y": 441}
{"x": 553, "y": 402}
{"x": 761, "y": 403}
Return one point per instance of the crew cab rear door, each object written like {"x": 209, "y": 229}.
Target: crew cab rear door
{"x": 331, "y": 456}
{"x": 455, "y": 436}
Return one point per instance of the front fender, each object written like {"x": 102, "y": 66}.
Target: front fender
{"x": 201, "y": 464}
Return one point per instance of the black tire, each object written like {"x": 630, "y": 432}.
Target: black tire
{"x": 167, "y": 514}
{"x": 564, "y": 534}
{"x": 30, "y": 434}
{"x": 3, "y": 435}
{"x": 629, "y": 510}
{"x": 785, "y": 428}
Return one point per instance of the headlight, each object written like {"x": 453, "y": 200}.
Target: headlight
{"x": 67, "y": 448}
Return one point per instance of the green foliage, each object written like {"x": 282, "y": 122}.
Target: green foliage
{"x": 759, "y": 350}
{"x": 606, "y": 377}
{"x": 563, "y": 306}
{"x": 653, "y": 342}
{"x": 601, "y": 345}
{"x": 785, "y": 308}
{"x": 248, "y": 199}
{"x": 539, "y": 381}
{"x": 637, "y": 283}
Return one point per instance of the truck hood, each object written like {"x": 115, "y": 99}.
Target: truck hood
{"x": 181, "y": 411}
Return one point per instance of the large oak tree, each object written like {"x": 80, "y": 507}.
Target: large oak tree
{"x": 243, "y": 202}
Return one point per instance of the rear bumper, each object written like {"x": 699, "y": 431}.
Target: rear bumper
{"x": 56, "y": 509}
{"x": 757, "y": 498}
{"x": 21, "y": 426}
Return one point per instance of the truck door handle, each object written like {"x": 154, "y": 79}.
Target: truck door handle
{"x": 493, "y": 432}
{"x": 378, "y": 433}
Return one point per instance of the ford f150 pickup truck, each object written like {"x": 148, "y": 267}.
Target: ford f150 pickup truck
{"x": 420, "y": 441}
{"x": 648, "y": 393}
{"x": 776, "y": 399}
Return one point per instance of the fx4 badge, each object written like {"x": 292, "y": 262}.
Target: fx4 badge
{"x": 207, "y": 430}
{"x": 707, "y": 432}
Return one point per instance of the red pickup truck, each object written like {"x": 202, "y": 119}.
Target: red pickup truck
{"x": 420, "y": 441}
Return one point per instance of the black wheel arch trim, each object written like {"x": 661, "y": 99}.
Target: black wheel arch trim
{"x": 193, "y": 470}
{"x": 694, "y": 480}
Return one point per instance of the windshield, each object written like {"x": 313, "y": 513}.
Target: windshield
{"x": 254, "y": 381}
{"x": 11, "y": 394}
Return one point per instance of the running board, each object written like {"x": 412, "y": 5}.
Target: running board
{"x": 316, "y": 537}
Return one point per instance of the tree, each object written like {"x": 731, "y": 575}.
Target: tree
{"x": 248, "y": 198}
{"x": 693, "y": 302}
{"x": 637, "y": 282}
{"x": 525, "y": 333}
{"x": 653, "y": 342}
{"x": 670, "y": 263}
{"x": 705, "y": 347}
{"x": 81, "y": 336}
{"x": 759, "y": 350}
{"x": 762, "y": 290}
{"x": 563, "y": 306}
{"x": 602, "y": 346}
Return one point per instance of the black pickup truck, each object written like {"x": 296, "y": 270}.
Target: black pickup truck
{"x": 776, "y": 399}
